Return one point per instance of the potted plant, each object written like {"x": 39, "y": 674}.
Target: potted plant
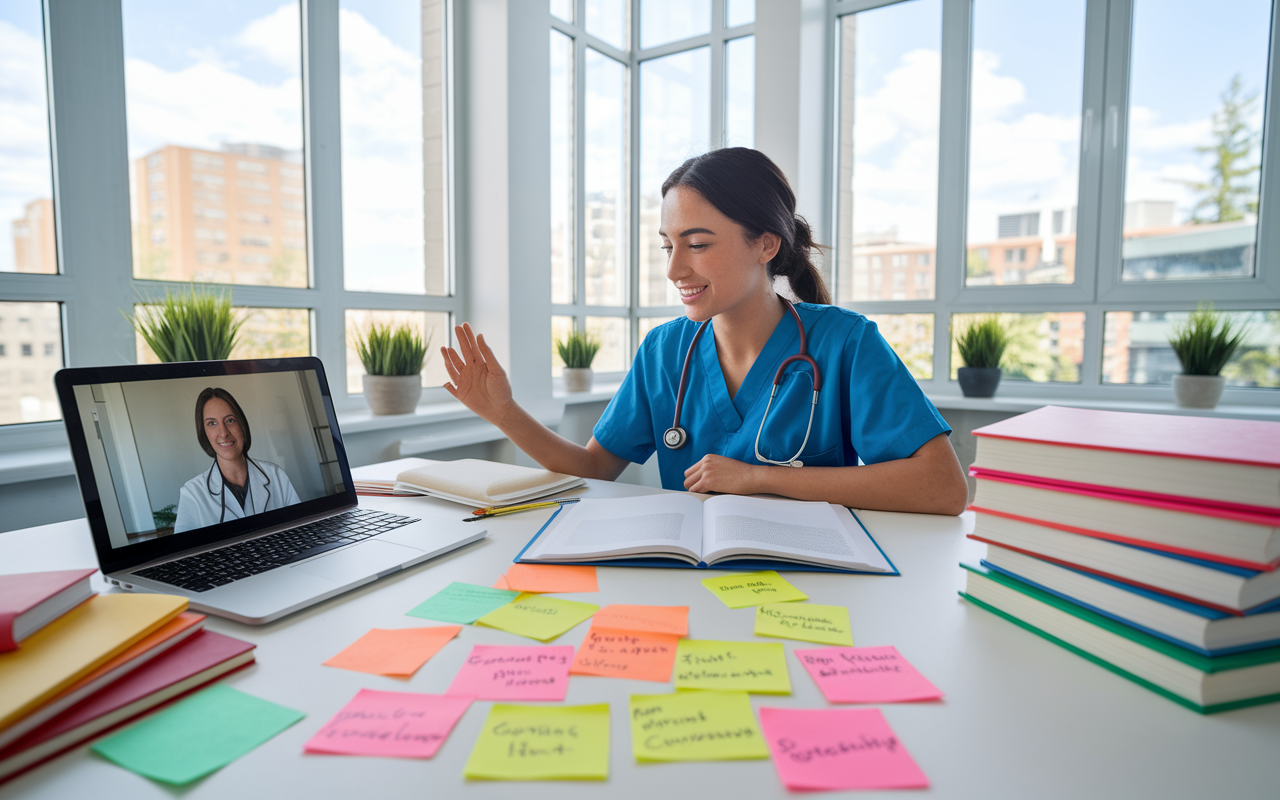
{"x": 577, "y": 351}
{"x": 392, "y": 358}
{"x": 1203, "y": 345}
{"x": 981, "y": 348}
{"x": 194, "y": 325}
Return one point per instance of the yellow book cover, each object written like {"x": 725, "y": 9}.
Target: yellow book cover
{"x": 74, "y": 645}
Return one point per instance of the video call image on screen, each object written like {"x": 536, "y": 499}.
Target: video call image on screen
{"x": 182, "y": 454}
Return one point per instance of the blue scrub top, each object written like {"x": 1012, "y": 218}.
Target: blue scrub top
{"x": 870, "y": 406}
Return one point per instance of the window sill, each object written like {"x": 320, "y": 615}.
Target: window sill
{"x": 600, "y": 393}
{"x": 1018, "y": 405}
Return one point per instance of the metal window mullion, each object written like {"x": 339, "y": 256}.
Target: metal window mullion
{"x": 1266, "y": 270}
{"x": 671, "y": 48}
{"x": 716, "y": 136}
{"x": 633, "y": 171}
{"x": 845, "y": 7}
{"x": 579, "y": 177}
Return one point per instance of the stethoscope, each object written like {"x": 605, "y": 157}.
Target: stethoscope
{"x": 248, "y": 487}
{"x": 676, "y": 437}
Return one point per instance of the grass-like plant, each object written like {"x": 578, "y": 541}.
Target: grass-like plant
{"x": 983, "y": 342}
{"x": 1206, "y": 342}
{"x": 191, "y": 325}
{"x": 388, "y": 350}
{"x": 578, "y": 350}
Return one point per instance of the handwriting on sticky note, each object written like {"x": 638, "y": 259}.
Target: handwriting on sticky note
{"x": 462, "y": 603}
{"x": 638, "y": 655}
{"x": 390, "y": 724}
{"x": 732, "y": 666}
{"x": 805, "y": 621}
{"x": 542, "y": 743}
{"x": 740, "y": 591}
{"x": 551, "y": 578}
{"x": 838, "y": 748}
{"x": 514, "y": 673}
{"x": 695, "y": 726}
{"x": 538, "y": 617}
{"x": 866, "y": 675}
{"x": 398, "y": 652}
{"x": 654, "y": 619}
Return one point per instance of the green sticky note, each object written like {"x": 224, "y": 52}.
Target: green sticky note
{"x": 752, "y": 589}
{"x": 538, "y": 617}
{"x": 197, "y": 736}
{"x": 732, "y": 666}
{"x": 542, "y": 743}
{"x": 805, "y": 621}
{"x": 462, "y": 603}
{"x": 695, "y": 726}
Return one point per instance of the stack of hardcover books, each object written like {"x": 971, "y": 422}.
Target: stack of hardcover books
{"x": 1147, "y": 543}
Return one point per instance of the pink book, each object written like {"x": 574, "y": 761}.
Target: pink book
{"x": 31, "y": 600}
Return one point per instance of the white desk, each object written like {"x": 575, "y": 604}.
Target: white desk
{"x": 1022, "y": 718}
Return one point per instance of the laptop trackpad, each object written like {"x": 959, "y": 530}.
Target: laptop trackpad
{"x": 353, "y": 563}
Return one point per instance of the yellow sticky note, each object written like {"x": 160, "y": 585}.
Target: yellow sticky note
{"x": 805, "y": 621}
{"x": 752, "y": 589}
{"x": 695, "y": 726}
{"x": 538, "y": 617}
{"x": 541, "y": 743}
{"x": 732, "y": 666}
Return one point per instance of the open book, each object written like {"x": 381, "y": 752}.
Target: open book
{"x": 723, "y": 530}
{"x": 479, "y": 483}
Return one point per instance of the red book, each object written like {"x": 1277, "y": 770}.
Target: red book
{"x": 31, "y": 600}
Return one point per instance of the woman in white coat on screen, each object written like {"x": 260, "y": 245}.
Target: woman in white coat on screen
{"x": 235, "y": 485}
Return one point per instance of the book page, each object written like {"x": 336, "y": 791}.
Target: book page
{"x": 791, "y": 530}
{"x": 659, "y": 524}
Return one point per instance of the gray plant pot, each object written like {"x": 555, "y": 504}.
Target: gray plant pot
{"x": 979, "y": 381}
{"x": 392, "y": 394}
{"x": 577, "y": 379}
{"x": 1198, "y": 391}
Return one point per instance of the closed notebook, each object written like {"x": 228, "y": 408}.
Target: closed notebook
{"x": 484, "y": 483}
{"x": 31, "y": 600}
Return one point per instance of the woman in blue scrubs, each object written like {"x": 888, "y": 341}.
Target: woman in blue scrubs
{"x": 730, "y": 230}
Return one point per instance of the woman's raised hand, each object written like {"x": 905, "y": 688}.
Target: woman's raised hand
{"x": 477, "y": 380}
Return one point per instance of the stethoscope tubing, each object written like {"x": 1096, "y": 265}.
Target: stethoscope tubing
{"x": 222, "y": 494}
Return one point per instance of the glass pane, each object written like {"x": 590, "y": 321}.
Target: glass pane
{"x": 663, "y": 21}
{"x": 433, "y": 325}
{"x": 605, "y": 175}
{"x": 214, "y": 101}
{"x": 649, "y": 323}
{"x": 562, "y": 233}
{"x": 612, "y": 334}
{"x": 911, "y": 337}
{"x": 1024, "y": 151}
{"x": 740, "y": 92}
{"x": 30, "y": 352}
{"x": 1136, "y": 348}
{"x": 563, "y": 9}
{"x": 739, "y": 12}
{"x": 607, "y": 19}
{"x": 1196, "y": 91}
{"x": 266, "y": 333}
{"x": 675, "y": 124}
{"x": 1043, "y": 347}
{"x": 26, "y": 168}
{"x": 561, "y": 327}
{"x": 890, "y": 78}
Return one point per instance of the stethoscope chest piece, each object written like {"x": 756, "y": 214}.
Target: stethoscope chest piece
{"x": 675, "y": 438}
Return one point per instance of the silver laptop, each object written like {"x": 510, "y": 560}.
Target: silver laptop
{"x": 227, "y": 482}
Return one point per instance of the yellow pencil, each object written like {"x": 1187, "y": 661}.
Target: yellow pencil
{"x": 500, "y": 511}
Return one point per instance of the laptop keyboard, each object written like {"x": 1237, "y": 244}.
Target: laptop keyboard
{"x": 205, "y": 571}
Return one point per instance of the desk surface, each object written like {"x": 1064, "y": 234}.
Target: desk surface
{"x": 1021, "y": 717}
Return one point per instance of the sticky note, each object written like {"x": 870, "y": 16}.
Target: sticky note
{"x": 462, "y": 603}
{"x": 805, "y": 621}
{"x": 391, "y": 724}
{"x": 514, "y": 673}
{"x": 398, "y": 652}
{"x": 654, "y": 619}
{"x": 551, "y": 578}
{"x": 695, "y": 726}
{"x": 197, "y": 735}
{"x": 533, "y": 743}
{"x": 732, "y": 666}
{"x": 541, "y": 618}
{"x": 638, "y": 655}
{"x": 501, "y": 582}
{"x": 866, "y": 675}
{"x": 752, "y": 589}
{"x": 838, "y": 748}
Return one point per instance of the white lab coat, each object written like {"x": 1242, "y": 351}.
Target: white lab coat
{"x": 204, "y": 502}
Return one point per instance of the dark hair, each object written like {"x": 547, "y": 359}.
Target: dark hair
{"x": 222, "y": 394}
{"x": 748, "y": 188}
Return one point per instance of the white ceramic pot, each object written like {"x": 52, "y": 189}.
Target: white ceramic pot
{"x": 392, "y": 394}
{"x": 577, "y": 379}
{"x": 1198, "y": 391}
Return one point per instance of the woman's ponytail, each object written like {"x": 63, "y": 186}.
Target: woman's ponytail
{"x": 796, "y": 265}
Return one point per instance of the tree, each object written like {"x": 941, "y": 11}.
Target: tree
{"x": 1227, "y": 195}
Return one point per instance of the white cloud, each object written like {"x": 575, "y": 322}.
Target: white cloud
{"x": 276, "y": 37}
{"x": 24, "y": 131}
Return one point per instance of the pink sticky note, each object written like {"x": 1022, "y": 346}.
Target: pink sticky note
{"x": 838, "y": 748}
{"x": 514, "y": 673}
{"x": 391, "y": 724}
{"x": 866, "y": 675}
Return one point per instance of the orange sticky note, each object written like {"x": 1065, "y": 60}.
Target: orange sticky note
{"x": 551, "y": 578}
{"x": 638, "y": 655}
{"x": 398, "y": 652}
{"x": 501, "y": 583}
{"x": 653, "y": 619}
